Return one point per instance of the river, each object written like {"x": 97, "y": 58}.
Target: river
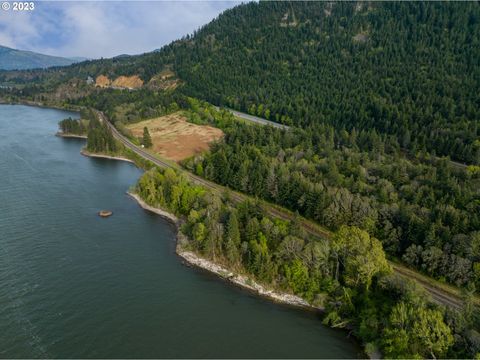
{"x": 73, "y": 284}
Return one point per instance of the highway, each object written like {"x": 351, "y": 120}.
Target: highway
{"x": 437, "y": 295}
{"x": 163, "y": 164}
{"x": 261, "y": 121}
{"x": 255, "y": 119}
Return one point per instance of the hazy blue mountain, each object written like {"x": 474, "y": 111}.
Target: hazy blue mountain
{"x": 11, "y": 59}
{"x": 78, "y": 58}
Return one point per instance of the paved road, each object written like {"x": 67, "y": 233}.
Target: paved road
{"x": 261, "y": 121}
{"x": 458, "y": 164}
{"x": 255, "y": 119}
{"x": 163, "y": 164}
{"x": 439, "y": 296}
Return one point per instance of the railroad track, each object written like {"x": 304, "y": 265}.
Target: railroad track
{"x": 439, "y": 296}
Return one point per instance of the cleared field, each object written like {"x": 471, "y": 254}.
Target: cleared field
{"x": 176, "y": 139}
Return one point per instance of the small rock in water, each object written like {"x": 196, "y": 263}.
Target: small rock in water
{"x": 105, "y": 213}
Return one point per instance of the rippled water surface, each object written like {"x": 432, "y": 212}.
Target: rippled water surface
{"x": 75, "y": 285}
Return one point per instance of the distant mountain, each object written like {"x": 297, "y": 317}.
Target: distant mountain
{"x": 121, "y": 56}
{"x": 12, "y": 59}
{"x": 78, "y": 58}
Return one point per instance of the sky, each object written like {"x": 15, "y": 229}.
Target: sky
{"x": 104, "y": 29}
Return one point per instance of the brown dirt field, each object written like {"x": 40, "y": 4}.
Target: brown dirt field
{"x": 131, "y": 82}
{"x": 176, "y": 139}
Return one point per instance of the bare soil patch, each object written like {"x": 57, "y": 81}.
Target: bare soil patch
{"x": 102, "y": 81}
{"x": 176, "y": 139}
{"x": 165, "y": 80}
{"x": 124, "y": 82}
{"x": 130, "y": 82}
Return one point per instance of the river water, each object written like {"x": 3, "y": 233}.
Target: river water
{"x": 76, "y": 285}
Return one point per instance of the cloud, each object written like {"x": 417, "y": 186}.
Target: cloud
{"x": 104, "y": 29}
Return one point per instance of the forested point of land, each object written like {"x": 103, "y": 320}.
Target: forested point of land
{"x": 73, "y": 126}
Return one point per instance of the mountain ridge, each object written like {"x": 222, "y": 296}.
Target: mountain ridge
{"x": 14, "y": 59}
{"x": 405, "y": 70}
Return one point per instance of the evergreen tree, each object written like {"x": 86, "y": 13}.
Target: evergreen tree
{"x": 232, "y": 239}
{"x": 146, "y": 140}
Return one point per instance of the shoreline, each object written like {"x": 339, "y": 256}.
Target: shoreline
{"x": 244, "y": 282}
{"x": 238, "y": 280}
{"x": 85, "y": 152}
{"x": 70, "y": 136}
{"x": 192, "y": 259}
{"x": 168, "y": 216}
{"x": 40, "y": 105}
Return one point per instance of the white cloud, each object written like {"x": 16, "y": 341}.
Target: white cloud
{"x": 17, "y": 28}
{"x": 104, "y": 29}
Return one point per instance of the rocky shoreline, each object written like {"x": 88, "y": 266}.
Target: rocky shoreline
{"x": 194, "y": 259}
{"x": 242, "y": 281}
{"x": 172, "y": 218}
{"x": 84, "y": 152}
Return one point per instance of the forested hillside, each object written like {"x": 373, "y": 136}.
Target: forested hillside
{"x": 407, "y": 69}
{"x": 410, "y": 69}
{"x": 364, "y": 82}
{"x": 425, "y": 211}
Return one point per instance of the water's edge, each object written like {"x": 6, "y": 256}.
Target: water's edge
{"x": 80, "y": 286}
{"x": 85, "y": 152}
{"x": 242, "y": 281}
{"x": 68, "y": 135}
{"x": 196, "y": 260}
{"x": 193, "y": 259}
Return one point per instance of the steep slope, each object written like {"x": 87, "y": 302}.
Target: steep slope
{"x": 408, "y": 70}
{"x": 12, "y": 59}
{"x": 411, "y": 70}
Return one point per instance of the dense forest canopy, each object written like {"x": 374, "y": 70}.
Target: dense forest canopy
{"x": 425, "y": 211}
{"x": 348, "y": 274}
{"x": 410, "y": 69}
{"x": 407, "y": 69}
